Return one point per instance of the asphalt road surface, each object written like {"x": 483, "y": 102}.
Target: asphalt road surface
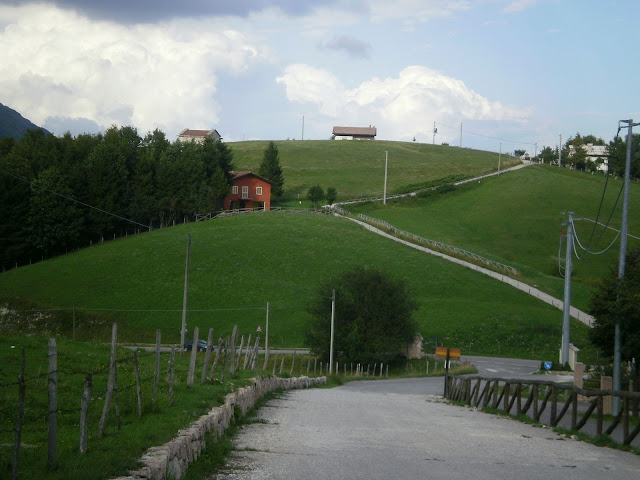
{"x": 401, "y": 429}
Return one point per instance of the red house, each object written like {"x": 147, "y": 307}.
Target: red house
{"x": 249, "y": 191}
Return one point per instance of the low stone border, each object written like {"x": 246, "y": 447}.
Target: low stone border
{"x": 172, "y": 459}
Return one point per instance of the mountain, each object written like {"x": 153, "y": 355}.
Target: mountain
{"x": 12, "y": 124}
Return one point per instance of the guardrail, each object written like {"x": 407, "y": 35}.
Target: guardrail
{"x": 440, "y": 246}
{"x": 507, "y": 392}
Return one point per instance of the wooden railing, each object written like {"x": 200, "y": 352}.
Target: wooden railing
{"x": 531, "y": 397}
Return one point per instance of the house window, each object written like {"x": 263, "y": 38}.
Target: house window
{"x": 245, "y": 192}
{"x": 234, "y": 189}
{"x": 258, "y": 190}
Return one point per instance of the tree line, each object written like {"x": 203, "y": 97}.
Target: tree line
{"x": 147, "y": 180}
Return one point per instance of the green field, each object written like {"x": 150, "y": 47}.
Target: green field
{"x": 244, "y": 262}
{"x": 517, "y": 219}
{"x": 356, "y": 168}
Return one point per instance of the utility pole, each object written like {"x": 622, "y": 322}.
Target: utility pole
{"x": 266, "y": 338}
{"x": 566, "y": 311}
{"x": 184, "y": 298}
{"x": 536, "y": 154}
{"x": 333, "y": 318}
{"x": 560, "y": 152}
{"x": 435, "y": 130}
{"x": 302, "y": 127}
{"x": 460, "y": 134}
{"x": 384, "y": 194}
{"x": 617, "y": 357}
{"x": 499, "y": 158}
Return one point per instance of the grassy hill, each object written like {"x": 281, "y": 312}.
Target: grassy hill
{"x": 517, "y": 219}
{"x": 240, "y": 263}
{"x": 356, "y": 168}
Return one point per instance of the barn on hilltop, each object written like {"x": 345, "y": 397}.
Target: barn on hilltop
{"x": 354, "y": 133}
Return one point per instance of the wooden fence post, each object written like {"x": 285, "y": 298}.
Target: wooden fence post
{"x": 111, "y": 381}
{"x": 52, "y": 391}
{"x": 172, "y": 362}
{"x": 239, "y": 355}
{"x": 254, "y": 357}
{"x": 207, "y": 355}
{"x": 234, "y": 334}
{"x": 214, "y": 366}
{"x": 192, "y": 363}
{"x": 138, "y": 387}
{"x": 224, "y": 358}
{"x": 157, "y": 370}
{"x": 21, "y": 392}
{"x": 293, "y": 361}
{"x": 248, "y": 356}
{"x": 84, "y": 413}
{"x": 275, "y": 362}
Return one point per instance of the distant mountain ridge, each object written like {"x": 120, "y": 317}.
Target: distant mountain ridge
{"x": 14, "y": 125}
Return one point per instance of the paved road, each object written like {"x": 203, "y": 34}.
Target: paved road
{"x": 401, "y": 429}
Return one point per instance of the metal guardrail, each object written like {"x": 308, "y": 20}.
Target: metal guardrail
{"x": 440, "y": 246}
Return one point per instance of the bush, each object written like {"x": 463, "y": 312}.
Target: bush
{"x": 373, "y": 318}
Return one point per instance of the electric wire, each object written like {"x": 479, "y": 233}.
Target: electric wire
{"x": 486, "y": 136}
{"x": 604, "y": 191}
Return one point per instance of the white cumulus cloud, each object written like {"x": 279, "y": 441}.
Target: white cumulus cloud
{"x": 58, "y": 64}
{"x": 401, "y": 107}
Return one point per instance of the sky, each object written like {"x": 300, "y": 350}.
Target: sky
{"x": 509, "y": 74}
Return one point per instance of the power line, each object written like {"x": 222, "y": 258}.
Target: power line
{"x": 33, "y": 184}
{"x": 487, "y": 136}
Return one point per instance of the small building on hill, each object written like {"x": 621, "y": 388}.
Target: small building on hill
{"x": 199, "y": 136}
{"x": 354, "y": 133}
{"x": 249, "y": 190}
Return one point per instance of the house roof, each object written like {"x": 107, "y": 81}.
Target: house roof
{"x": 187, "y": 132}
{"x": 366, "y": 131}
{"x": 240, "y": 174}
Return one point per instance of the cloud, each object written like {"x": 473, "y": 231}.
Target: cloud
{"x": 75, "y": 126}
{"x": 416, "y": 10}
{"x": 351, "y": 46}
{"x": 56, "y": 63}
{"x": 307, "y": 84}
{"x": 149, "y": 11}
{"x": 401, "y": 106}
{"x": 519, "y": 5}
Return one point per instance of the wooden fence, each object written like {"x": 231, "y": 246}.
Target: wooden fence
{"x": 106, "y": 394}
{"x": 532, "y": 397}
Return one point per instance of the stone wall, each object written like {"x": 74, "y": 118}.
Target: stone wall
{"x": 172, "y": 459}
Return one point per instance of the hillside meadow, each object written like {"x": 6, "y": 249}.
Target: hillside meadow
{"x": 517, "y": 218}
{"x": 356, "y": 168}
{"x": 238, "y": 264}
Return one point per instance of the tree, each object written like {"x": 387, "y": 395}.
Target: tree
{"x": 548, "y": 155}
{"x": 316, "y": 195}
{"x": 373, "y": 318}
{"x": 271, "y": 170}
{"x": 53, "y": 221}
{"x": 578, "y": 153}
{"x": 619, "y": 300}
{"x": 519, "y": 153}
{"x": 618, "y": 155}
{"x": 331, "y": 195}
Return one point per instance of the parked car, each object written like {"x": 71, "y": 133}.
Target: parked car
{"x": 202, "y": 345}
